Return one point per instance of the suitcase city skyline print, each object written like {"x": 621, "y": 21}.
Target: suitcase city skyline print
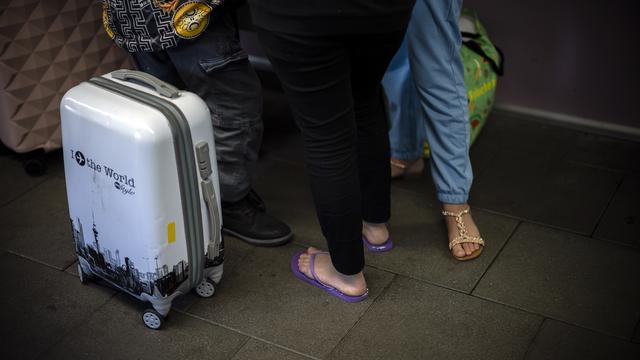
{"x": 120, "y": 270}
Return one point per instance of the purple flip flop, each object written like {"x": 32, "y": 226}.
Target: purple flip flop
{"x": 386, "y": 246}
{"x": 315, "y": 282}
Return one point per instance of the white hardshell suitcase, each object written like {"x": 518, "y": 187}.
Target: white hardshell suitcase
{"x": 142, "y": 186}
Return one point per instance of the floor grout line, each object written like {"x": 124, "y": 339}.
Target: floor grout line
{"x": 533, "y": 339}
{"x": 495, "y": 258}
{"x": 510, "y": 306}
{"x": 604, "y": 211}
{"x": 550, "y": 317}
{"x": 246, "y": 334}
{"x": 24, "y": 193}
{"x": 72, "y": 327}
{"x": 244, "y": 343}
{"x": 8, "y": 251}
{"x": 384, "y": 290}
{"x": 70, "y": 265}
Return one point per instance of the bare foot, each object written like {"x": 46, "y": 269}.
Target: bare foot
{"x": 376, "y": 234}
{"x": 400, "y": 168}
{"x": 464, "y": 249}
{"x": 352, "y": 285}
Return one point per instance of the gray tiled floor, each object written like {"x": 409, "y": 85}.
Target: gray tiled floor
{"x": 421, "y": 250}
{"x": 13, "y": 181}
{"x": 254, "y": 349}
{"x": 621, "y": 221}
{"x": 184, "y": 338}
{"x": 563, "y": 194}
{"x": 39, "y": 305}
{"x": 266, "y": 303}
{"x": 413, "y": 320}
{"x": 539, "y": 291}
{"x": 607, "y": 153}
{"x": 37, "y": 225}
{"x": 568, "y": 277}
{"x": 557, "y": 340}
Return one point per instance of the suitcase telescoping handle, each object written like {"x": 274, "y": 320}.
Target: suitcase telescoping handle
{"x": 161, "y": 87}
{"x": 204, "y": 165}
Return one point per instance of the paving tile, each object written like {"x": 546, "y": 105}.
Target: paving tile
{"x": 420, "y": 244}
{"x": 420, "y": 184}
{"x": 39, "y": 305}
{"x": 513, "y": 132}
{"x": 606, "y": 152}
{"x": 255, "y": 349}
{"x": 621, "y": 221}
{"x": 116, "y": 331}
{"x": 287, "y": 194}
{"x": 583, "y": 281}
{"x": 262, "y": 298}
{"x": 540, "y": 189}
{"x": 557, "y": 340}
{"x": 414, "y": 320}
{"x": 14, "y": 181}
{"x": 55, "y": 164}
{"x": 37, "y": 226}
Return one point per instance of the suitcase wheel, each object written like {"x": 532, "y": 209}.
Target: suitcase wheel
{"x": 152, "y": 319}
{"x": 205, "y": 289}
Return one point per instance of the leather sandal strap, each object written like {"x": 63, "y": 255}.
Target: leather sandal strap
{"x": 398, "y": 164}
{"x": 465, "y": 240}
{"x": 463, "y": 235}
{"x": 453, "y": 214}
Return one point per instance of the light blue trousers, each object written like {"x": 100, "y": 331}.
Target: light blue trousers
{"x": 427, "y": 97}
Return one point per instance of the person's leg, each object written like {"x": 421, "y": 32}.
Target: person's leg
{"x": 406, "y": 133}
{"x": 369, "y": 56}
{"x": 215, "y": 67}
{"x": 314, "y": 75}
{"x": 159, "y": 65}
{"x": 434, "y": 55}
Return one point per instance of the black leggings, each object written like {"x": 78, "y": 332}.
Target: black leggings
{"x": 333, "y": 87}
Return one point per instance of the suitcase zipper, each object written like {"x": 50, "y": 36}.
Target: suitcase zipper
{"x": 187, "y": 174}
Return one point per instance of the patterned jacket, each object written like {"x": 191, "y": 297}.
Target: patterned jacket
{"x": 142, "y": 25}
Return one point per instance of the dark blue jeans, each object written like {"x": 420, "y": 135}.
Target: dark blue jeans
{"x": 215, "y": 67}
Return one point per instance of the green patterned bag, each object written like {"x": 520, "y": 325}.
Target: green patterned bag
{"x": 483, "y": 63}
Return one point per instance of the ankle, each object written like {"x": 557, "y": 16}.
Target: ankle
{"x": 455, "y": 207}
{"x": 375, "y": 233}
{"x": 374, "y": 226}
{"x": 356, "y": 282}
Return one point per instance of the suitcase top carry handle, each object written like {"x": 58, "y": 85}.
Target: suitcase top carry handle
{"x": 161, "y": 87}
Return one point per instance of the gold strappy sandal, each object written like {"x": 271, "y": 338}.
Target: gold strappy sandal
{"x": 463, "y": 236}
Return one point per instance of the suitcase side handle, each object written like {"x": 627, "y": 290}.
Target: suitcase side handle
{"x": 204, "y": 165}
{"x": 161, "y": 87}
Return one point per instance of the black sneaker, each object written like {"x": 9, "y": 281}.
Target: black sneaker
{"x": 247, "y": 220}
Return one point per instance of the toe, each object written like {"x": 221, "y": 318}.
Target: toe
{"x": 468, "y": 249}
{"x": 458, "y": 251}
{"x": 312, "y": 250}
